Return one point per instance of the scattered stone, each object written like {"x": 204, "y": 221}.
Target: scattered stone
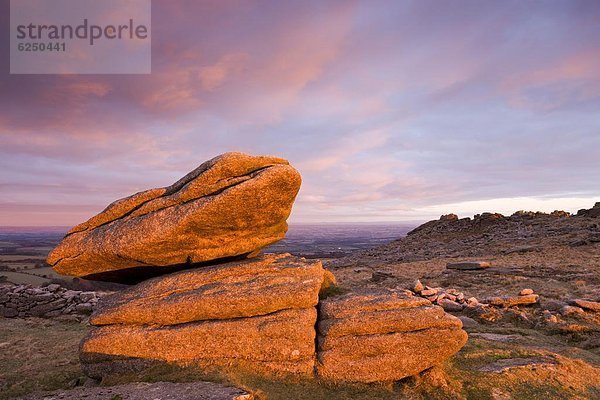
{"x": 513, "y": 301}
{"x": 485, "y": 312}
{"x": 472, "y": 301}
{"x": 552, "y": 305}
{"x": 468, "y": 265}
{"x": 450, "y": 299}
{"x": 380, "y": 276}
{"x": 587, "y": 304}
{"x": 550, "y": 318}
{"x": 571, "y": 310}
{"x": 468, "y": 322}
{"x": 418, "y": 286}
{"x": 230, "y": 206}
{"x": 449, "y": 305}
{"x": 525, "y": 292}
{"x": 428, "y": 292}
{"x": 385, "y": 336}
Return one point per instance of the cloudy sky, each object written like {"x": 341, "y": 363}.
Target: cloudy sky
{"x": 391, "y": 110}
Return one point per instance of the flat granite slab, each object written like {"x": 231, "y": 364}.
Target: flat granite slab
{"x": 468, "y": 265}
{"x": 145, "y": 391}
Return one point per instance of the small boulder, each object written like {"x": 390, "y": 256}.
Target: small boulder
{"x": 513, "y": 301}
{"x": 418, "y": 287}
{"x": 429, "y": 292}
{"x": 449, "y": 305}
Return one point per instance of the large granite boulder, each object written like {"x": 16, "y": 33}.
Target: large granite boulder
{"x": 256, "y": 315}
{"x": 275, "y": 344}
{"x": 230, "y": 206}
{"x": 233, "y": 290}
{"x": 385, "y": 336}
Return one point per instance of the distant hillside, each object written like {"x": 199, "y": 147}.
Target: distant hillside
{"x": 487, "y": 234}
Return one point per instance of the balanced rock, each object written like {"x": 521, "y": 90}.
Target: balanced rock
{"x": 255, "y": 315}
{"x": 386, "y": 336}
{"x": 230, "y": 206}
{"x": 468, "y": 265}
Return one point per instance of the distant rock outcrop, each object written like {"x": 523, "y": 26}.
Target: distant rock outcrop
{"x": 485, "y": 234}
{"x": 591, "y": 213}
{"x": 378, "y": 337}
{"x": 257, "y": 315}
{"x": 230, "y": 206}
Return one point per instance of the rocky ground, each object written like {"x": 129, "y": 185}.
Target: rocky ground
{"x": 541, "y": 343}
{"x": 539, "y": 296}
{"x": 555, "y": 255}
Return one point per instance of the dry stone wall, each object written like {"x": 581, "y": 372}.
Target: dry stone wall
{"x": 48, "y": 301}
